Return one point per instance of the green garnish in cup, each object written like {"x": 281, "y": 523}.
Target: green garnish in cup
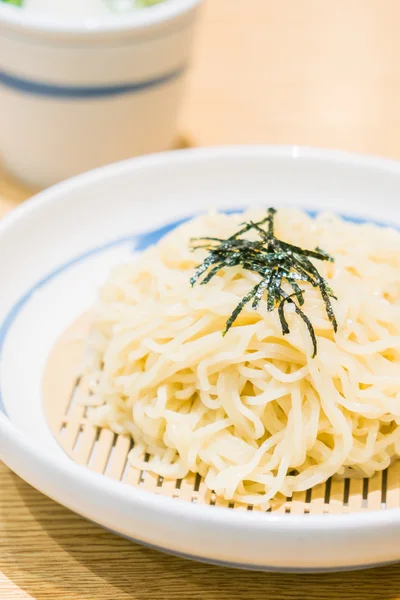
{"x": 13, "y": 2}
{"x": 113, "y": 5}
{"x": 146, "y": 3}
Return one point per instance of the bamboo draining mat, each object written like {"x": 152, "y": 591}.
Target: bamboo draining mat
{"x": 275, "y": 71}
{"x": 106, "y": 453}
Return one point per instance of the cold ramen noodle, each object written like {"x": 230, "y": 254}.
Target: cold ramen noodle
{"x": 264, "y": 356}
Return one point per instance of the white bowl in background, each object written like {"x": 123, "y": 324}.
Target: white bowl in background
{"x": 77, "y": 94}
{"x": 60, "y": 247}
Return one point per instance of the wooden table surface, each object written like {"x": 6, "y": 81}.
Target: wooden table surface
{"x": 314, "y": 72}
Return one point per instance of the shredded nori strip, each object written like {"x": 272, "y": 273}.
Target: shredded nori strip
{"x": 276, "y": 262}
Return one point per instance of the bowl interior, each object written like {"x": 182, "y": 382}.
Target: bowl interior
{"x": 61, "y": 247}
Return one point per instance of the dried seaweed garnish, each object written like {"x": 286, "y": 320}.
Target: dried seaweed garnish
{"x": 276, "y": 262}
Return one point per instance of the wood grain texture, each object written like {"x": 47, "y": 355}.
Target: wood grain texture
{"x": 313, "y": 72}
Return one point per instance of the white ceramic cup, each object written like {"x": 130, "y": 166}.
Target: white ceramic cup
{"x": 77, "y": 94}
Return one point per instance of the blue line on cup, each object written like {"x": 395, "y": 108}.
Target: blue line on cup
{"x": 55, "y": 90}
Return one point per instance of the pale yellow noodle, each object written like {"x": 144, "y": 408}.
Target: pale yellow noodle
{"x": 252, "y": 412}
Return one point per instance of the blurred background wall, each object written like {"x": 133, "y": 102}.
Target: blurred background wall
{"x": 315, "y": 72}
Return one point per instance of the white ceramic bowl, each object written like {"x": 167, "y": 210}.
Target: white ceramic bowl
{"x": 58, "y": 247}
{"x": 75, "y": 95}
